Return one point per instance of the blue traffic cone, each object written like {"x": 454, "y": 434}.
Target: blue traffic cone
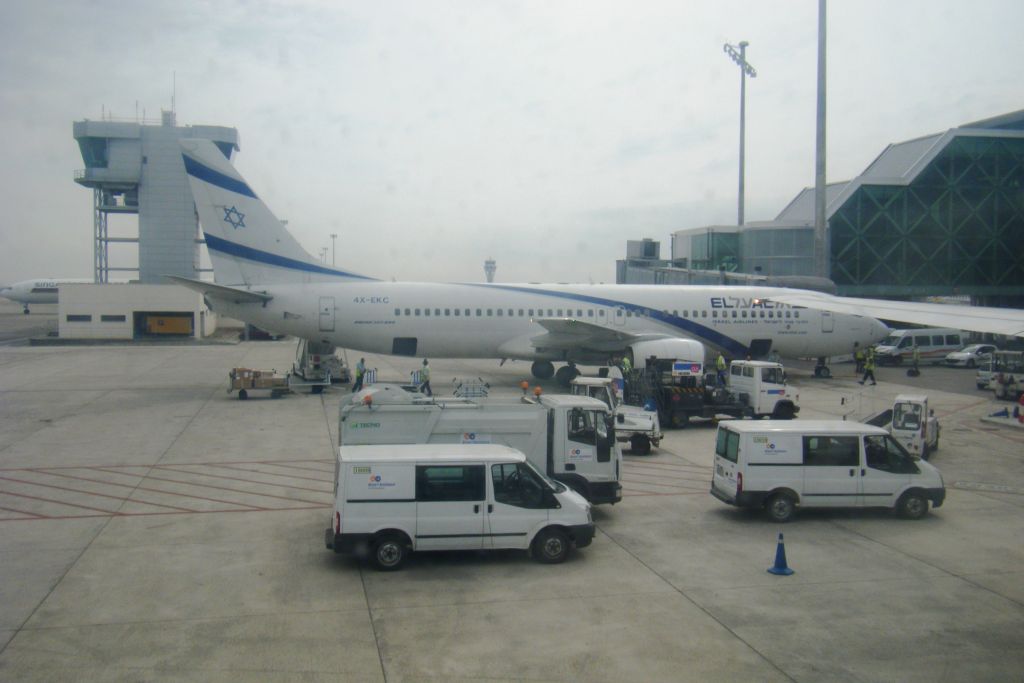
{"x": 780, "y": 568}
{"x": 1001, "y": 413}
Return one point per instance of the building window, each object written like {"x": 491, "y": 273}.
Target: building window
{"x": 112, "y": 318}
{"x": 79, "y": 318}
{"x": 398, "y": 312}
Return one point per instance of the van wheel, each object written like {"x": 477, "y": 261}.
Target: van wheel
{"x": 781, "y": 507}
{"x": 242, "y": 394}
{"x": 551, "y": 546}
{"x": 913, "y": 505}
{"x": 640, "y": 445}
{"x": 389, "y": 553}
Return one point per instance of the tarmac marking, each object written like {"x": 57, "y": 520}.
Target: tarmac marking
{"x": 174, "y": 468}
{"x": 141, "y": 488}
{"x": 93, "y": 493}
{"x": 103, "y": 482}
{"x": 646, "y": 478}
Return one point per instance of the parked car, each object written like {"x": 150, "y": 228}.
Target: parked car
{"x": 971, "y": 356}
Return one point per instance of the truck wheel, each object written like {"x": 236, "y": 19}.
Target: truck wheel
{"x": 781, "y": 507}
{"x": 680, "y": 420}
{"x": 913, "y": 505}
{"x": 551, "y": 546}
{"x": 242, "y": 394}
{"x": 783, "y": 411}
{"x": 640, "y": 445}
{"x": 318, "y": 389}
{"x": 389, "y": 553}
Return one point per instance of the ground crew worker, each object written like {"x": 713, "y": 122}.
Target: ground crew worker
{"x": 360, "y": 371}
{"x": 858, "y": 357}
{"x": 916, "y": 360}
{"x": 626, "y": 365}
{"x": 869, "y": 369}
{"x": 720, "y": 366}
{"x": 425, "y": 379}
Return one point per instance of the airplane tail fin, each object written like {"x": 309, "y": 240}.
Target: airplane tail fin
{"x": 248, "y": 245}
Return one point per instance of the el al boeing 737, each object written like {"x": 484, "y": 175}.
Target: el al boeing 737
{"x": 264, "y": 277}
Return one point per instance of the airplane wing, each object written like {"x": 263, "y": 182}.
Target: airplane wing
{"x": 222, "y": 292}
{"x": 570, "y": 333}
{"x": 1009, "y": 321}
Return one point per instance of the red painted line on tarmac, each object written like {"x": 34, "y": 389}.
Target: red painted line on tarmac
{"x": 664, "y": 465}
{"x": 173, "y": 468}
{"x": 156, "y": 514}
{"x": 629, "y": 473}
{"x": 58, "y": 502}
{"x": 269, "y": 474}
{"x": 124, "y": 466}
{"x": 22, "y": 512}
{"x": 304, "y": 469}
{"x": 92, "y": 493}
{"x": 145, "y": 488}
{"x": 232, "y": 490}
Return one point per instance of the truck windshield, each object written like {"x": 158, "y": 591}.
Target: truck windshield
{"x": 555, "y": 486}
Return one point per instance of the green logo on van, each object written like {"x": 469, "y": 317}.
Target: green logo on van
{"x": 365, "y": 425}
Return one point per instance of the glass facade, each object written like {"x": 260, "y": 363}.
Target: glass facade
{"x": 715, "y": 251}
{"x": 958, "y": 228}
{"x": 778, "y": 251}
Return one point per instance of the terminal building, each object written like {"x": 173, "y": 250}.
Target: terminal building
{"x": 135, "y": 168}
{"x": 941, "y": 215}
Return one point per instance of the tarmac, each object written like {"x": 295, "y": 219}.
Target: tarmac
{"x": 153, "y": 527}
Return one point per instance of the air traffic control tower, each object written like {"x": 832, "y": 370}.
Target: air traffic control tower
{"x": 135, "y": 167}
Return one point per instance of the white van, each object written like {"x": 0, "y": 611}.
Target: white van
{"x": 780, "y": 465}
{"x": 390, "y": 500}
{"x": 933, "y": 343}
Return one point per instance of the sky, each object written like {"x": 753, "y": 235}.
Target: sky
{"x": 432, "y": 135}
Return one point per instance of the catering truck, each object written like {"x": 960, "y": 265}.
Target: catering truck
{"x": 391, "y": 500}
{"x": 569, "y": 438}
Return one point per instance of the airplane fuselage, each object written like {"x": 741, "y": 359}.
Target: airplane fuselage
{"x": 500, "y": 320}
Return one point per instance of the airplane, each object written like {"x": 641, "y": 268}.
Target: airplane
{"x": 37, "y": 291}
{"x": 264, "y": 277}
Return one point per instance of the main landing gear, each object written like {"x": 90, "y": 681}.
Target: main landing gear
{"x": 822, "y": 369}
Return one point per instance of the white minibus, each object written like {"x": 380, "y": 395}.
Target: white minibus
{"x": 391, "y": 500}
{"x": 933, "y": 343}
{"x": 782, "y": 465}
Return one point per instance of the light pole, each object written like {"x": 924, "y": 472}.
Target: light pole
{"x": 740, "y": 57}
{"x": 334, "y": 251}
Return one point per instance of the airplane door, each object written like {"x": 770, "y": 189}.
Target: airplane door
{"x": 828, "y": 323}
{"x": 619, "y": 315}
{"x": 327, "y": 314}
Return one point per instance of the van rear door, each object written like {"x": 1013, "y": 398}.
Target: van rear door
{"x": 450, "y": 501}
{"x": 724, "y": 479}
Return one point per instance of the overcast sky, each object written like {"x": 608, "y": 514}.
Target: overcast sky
{"x": 432, "y": 135}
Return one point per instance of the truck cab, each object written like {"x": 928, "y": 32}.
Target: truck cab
{"x": 761, "y": 386}
{"x": 914, "y": 426}
{"x": 641, "y": 428}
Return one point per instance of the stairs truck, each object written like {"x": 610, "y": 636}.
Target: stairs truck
{"x": 569, "y": 438}
{"x": 640, "y": 428}
{"x": 681, "y": 390}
